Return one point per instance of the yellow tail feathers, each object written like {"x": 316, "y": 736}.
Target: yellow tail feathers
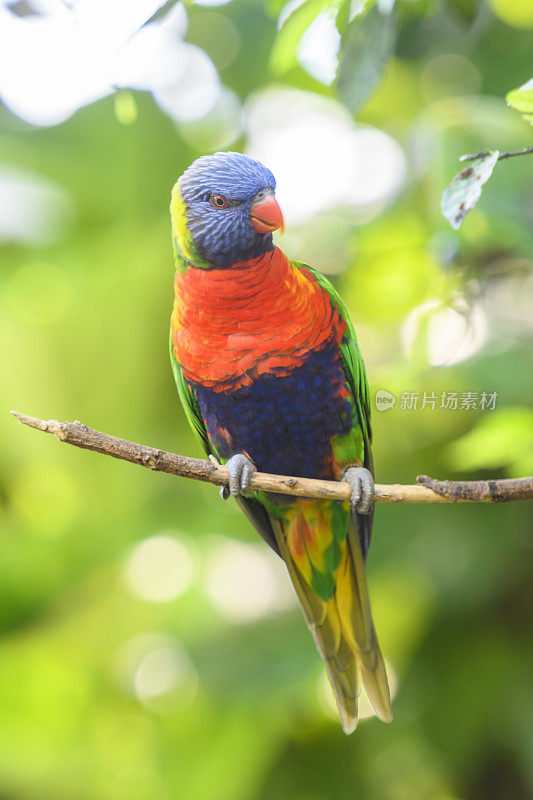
{"x": 343, "y": 631}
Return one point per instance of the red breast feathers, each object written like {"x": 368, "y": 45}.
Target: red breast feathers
{"x": 263, "y": 316}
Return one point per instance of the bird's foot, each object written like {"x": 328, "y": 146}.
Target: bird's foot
{"x": 362, "y": 485}
{"x": 240, "y": 470}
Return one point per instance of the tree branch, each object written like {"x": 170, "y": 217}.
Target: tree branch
{"x": 501, "y": 157}
{"x": 428, "y": 490}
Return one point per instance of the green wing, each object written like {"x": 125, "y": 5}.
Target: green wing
{"x": 189, "y": 402}
{"x": 353, "y": 364}
{"x": 354, "y": 369}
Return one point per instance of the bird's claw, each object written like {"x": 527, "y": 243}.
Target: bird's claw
{"x": 362, "y": 485}
{"x": 240, "y": 470}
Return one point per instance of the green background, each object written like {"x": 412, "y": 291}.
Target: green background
{"x": 83, "y": 335}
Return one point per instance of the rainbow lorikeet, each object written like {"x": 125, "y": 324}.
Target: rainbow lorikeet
{"x": 270, "y": 375}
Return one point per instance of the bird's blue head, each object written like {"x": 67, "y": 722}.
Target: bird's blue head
{"x": 223, "y": 211}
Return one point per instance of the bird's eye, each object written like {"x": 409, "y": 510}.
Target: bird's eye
{"x": 219, "y": 201}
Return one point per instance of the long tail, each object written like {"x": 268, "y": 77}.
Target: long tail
{"x": 343, "y": 631}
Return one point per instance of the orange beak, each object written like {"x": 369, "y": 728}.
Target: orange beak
{"x": 266, "y": 215}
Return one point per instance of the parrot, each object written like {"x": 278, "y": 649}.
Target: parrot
{"x": 269, "y": 372}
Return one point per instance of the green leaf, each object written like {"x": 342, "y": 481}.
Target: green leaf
{"x": 284, "y": 50}
{"x": 465, "y": 189}
{"x": 366, "y": 48}
{"x": 349, "y": 9}
{"x": 521, "y": 99}
{"x": 343, "y": 16}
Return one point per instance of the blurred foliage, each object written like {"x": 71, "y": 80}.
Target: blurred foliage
{"x": 167, "y": 676}
{"x": 367, "y": 45}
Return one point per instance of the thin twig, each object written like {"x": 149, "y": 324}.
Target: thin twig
{"x": 501, "y": 157}
{"x": 427, "y": 490}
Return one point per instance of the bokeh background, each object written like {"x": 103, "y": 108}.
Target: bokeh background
{"x": 150, "y": 646}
